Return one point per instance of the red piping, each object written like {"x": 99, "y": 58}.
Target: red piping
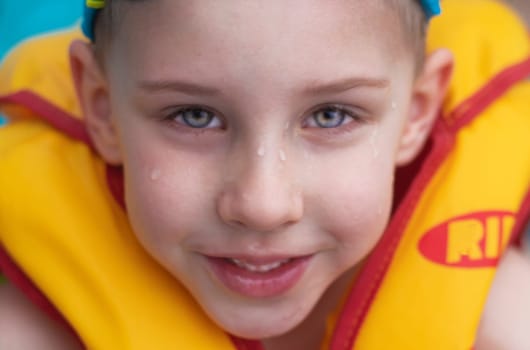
{"x": 522, "y": 221}
{"x": 55, "y": 116}
{"x": 496, "y": 87}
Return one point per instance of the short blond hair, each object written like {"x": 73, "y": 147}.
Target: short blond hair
{"x": 410, "y": 12}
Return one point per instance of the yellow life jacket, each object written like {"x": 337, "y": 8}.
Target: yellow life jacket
{"x": 66, "y": 240}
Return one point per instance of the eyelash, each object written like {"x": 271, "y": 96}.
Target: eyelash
{"x": 348, "y": 116}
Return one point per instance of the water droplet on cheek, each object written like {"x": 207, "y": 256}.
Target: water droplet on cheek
{"x": 283, "y": 157}
{"x": 308, "y": 161}
{"x": 394, "y": 105}
{"x": 155, "y": 174}
{"x": 261, "y": 151}
{"x": 373, "y": 142}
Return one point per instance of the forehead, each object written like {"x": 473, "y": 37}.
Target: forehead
{"x": 295, "y": 35}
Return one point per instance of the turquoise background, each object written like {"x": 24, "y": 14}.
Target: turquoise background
{"x": 20, "y": 19}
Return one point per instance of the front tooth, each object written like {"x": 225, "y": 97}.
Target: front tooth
{"x": 265, "y": 268}
{"x": 259, "y": 268}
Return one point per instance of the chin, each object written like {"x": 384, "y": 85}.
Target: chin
{"x": 257, "y": 323}
{"x": 260, "y": 330}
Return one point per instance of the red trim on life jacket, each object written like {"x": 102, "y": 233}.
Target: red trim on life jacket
{"x": 55, "y": 116}
{"x": 19, "y": 279}
{"x": 522, "y": 221}
{"x": 115, "y": 183}
{"x": 464, "y": 113}
{"x": 371, "y": 276}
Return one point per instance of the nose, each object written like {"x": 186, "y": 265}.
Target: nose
{"x": 261, "y": 195}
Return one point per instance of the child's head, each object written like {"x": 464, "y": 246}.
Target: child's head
{"x": 259, "y": 139}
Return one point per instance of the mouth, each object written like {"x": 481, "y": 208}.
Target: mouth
{"x": 259, "y": 277}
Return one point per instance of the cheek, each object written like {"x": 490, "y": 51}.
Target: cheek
{"x": 362, "y": 210}
{"x": 354, "y": 205}
{"x": 165, "y": 194}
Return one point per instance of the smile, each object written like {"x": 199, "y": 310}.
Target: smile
{"x": 258, "y": 278}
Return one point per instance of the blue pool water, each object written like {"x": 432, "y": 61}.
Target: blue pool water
{"x": 20, "y": 19}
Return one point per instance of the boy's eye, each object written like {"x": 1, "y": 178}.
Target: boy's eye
{"x": 330, "y": 117}
{"x": 196, "y": 117}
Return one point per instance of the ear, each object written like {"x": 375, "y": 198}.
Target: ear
{"x": 93, "y": 94}
{"x": 428, "y": 95}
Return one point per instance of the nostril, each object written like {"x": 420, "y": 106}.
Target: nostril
{"x": 238, "y": 223}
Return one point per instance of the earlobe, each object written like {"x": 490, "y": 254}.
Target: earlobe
{"x": 93, "y": 95}
{"x": 428, "y": 95}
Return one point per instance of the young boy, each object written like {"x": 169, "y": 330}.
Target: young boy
{"x": 259, "y": 142}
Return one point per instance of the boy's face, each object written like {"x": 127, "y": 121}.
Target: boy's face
{"x": 259, "y": 141}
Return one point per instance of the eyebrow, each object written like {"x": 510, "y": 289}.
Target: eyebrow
{"x": 185, "y": 87}
{"x": 314, "y": 88}
{"x": 345, "y": 85}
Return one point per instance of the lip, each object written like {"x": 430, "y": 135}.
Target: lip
{"x": 259, "y": 284}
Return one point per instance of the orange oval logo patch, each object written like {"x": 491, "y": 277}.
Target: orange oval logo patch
{"x": 471, "y": 241}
